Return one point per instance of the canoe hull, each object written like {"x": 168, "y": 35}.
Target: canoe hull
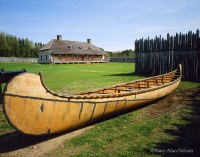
{"x": 32, "y": 110}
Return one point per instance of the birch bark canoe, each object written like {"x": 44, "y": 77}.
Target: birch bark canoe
{"x": 31, "y": 108}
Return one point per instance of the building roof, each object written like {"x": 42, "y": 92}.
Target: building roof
{"x": 59, "y": 46}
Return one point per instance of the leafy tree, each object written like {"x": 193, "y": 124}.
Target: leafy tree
{"x": 122, "y": 54}
{"x": 11, "y": 46}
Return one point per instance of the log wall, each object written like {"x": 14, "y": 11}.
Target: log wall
{"x": 159, "y": 55}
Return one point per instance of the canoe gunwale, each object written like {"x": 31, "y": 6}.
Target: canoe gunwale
{"x": 113, "y": 95}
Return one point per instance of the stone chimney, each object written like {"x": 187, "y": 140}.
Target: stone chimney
{"x": 59, "y": 37}
{"x": 89, "y": 41}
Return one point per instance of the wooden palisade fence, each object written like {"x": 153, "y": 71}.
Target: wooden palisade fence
{"x": 18, "y": 59}
{"x": 159, "y": 55}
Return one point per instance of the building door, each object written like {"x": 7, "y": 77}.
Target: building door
{"x": 82, "y": 57}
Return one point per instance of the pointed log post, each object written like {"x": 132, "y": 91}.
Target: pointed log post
{"x": 1, "y": 95}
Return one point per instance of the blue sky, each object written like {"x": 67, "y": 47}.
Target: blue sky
{"x": 113, "y": 25}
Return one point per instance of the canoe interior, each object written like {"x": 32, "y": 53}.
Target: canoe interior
{"x": 128, "y": 88}
{"x": 137, "y": 85}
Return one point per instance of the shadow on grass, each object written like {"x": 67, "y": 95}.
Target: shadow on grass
{"x": 123, "y": 74}
{"x": 186, "y": 136}
{"x": 127, "y": 74}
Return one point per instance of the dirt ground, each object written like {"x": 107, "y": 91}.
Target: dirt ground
{"x": 14, "y": 144}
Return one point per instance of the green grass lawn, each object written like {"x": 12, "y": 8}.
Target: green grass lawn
{"x": 73, "y": 78}
{"x": 78, "y": 77}
{"x": 132, "y": 134}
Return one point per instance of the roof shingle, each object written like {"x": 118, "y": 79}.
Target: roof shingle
{"x": 71, "y": 47}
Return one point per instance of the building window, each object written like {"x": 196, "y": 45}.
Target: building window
{"x": 41, "y": 57}
{"x": 46, "y": 57}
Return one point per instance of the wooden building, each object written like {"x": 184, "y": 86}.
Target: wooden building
{"x": 66, "y": 51}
